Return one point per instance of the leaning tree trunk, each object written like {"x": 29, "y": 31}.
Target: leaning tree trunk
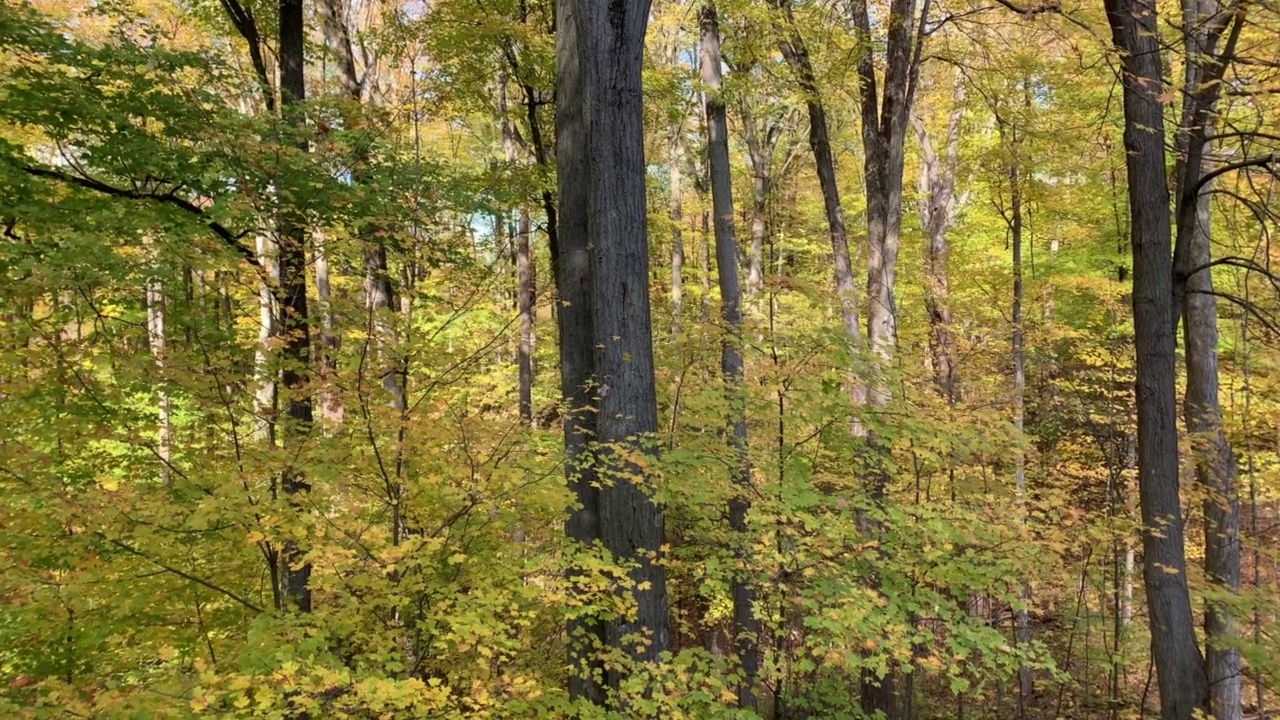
{"x": 796, "y": 53}
{"x": 1179, "y": 665}
{"x": 746, "y": 629}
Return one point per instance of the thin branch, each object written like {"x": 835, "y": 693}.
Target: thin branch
{"x": 180, "y": 573}
{"x": 1263, "y": 161}
{"x": 169, "y": 198}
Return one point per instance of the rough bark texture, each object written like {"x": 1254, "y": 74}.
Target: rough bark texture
{"x": 746, "y": 629}
{"x": 611, "y": 48}
{"x": 937, "y": 212}
{"x": 1179, "y": 666}
{"x": 572, "y": 261}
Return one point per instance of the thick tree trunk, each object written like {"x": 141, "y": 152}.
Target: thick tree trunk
{"x": 611, "y": 49}
{"x": 572, "y": 263}
{"x": 1178, "y": 662}
{"x": 746, "y": 629}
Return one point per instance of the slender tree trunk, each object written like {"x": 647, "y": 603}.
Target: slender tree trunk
{"x": 796, "y": 53}
{"x": 526, "y": 295}
{"x": 1178, "y": 662}
{"x": 1021, "y": 624}
{"x": 675, "y": 159}
{"x": 746, "y": 629}
{"x": 330, "y": 399}
{"x": 265, "y": 371}
{"x": 937, "y": 199}
{"x": 292, "y": 298}
{"x": 1216, "y": 470}
{"x": 156, "y": 341}
{"x": 1216, "y": 473}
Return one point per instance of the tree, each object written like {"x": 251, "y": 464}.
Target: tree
{"x": 746, "y": 629}
{"x": 605, "y": 326}
{"x": 1179, "y": 665}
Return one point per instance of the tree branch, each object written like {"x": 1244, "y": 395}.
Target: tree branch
{"x": 180, "y": 573}
{"x": 169, "y": 198}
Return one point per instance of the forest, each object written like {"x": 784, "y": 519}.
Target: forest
{"x": 680, "y": 359}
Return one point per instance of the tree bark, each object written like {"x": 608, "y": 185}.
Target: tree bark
{"x": 1216, "y": 470}
{"x": 746, "y": 629}
{"x": 796, "y": 54}
{"x": 1179, "y": 665}
{"x": 937, "y": 213}
{"x": 330, "y": 398}
{"x": 611, "y": 49}
{"x": 292, "y": 299}
{"x": 572, "y": 263}
{"x": 156, "y": 342}
{"x": 675, "y": 158}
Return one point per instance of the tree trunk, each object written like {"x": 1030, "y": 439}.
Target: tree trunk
{"x": 156, "y": 342}
{"x": 1216, "y": 470}
{"x": 330, "y": 399}
{"x": 746, "y": 629}
{"x": 1178, "y": 662}
{"x": 1216, "y": 473}
{"x": 675, "y": 158}
{"x": 572, "y": 263}
{"x": 937, "y": 201}
{"x": 796, "y": 53}
{"x": 1021, "y": 620}
{"x": 292, "y": 298}
{"x": 265, "y": 371}
{"x": 611, "y": 49}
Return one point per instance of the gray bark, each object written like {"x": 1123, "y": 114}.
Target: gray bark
{"x": 746, "y": 629}
{"x": 937, "y": 213}
{"x": 330, "y": 399}
{"x": 1217, "y": 474}
{"x": 156, "y": 342}
{"x": 1216, "y": 470}
{"x": 572, "y": 262}
{"x": 611, "y": 49}
{"x": 265, "y": 372}
{"x": 1179, "y": 665}
{"x": 675, "y": 158}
